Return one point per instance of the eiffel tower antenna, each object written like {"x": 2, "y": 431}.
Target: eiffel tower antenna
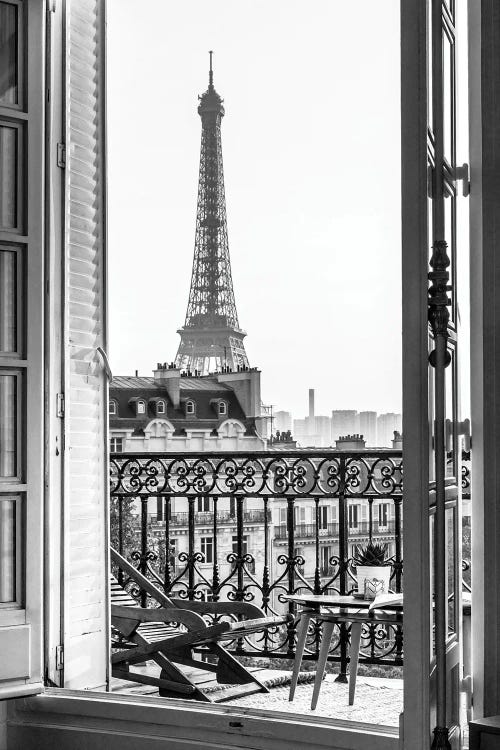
{"x": 211, "y": 338}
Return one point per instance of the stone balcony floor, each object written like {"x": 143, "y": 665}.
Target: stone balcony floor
{"x": 378, "y": 700}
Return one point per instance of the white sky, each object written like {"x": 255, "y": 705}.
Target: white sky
{"x": 312, "y": 170}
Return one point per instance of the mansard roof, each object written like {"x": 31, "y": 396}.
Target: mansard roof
{"x": 204, "y": 391}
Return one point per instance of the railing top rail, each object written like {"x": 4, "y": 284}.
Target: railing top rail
{"x": 299, "y": 473}
{"x": 270, "y": 454}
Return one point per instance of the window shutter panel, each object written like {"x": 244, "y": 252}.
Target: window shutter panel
{"x": 86, "y": 621}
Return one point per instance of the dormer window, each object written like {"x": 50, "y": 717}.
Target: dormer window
{"x": 141, "y": 407}
{"x": 222, "y": 408}
{"x": 160, "y": 407}
{"x": 113, "y": 409}
{"x": 190, "y": 407}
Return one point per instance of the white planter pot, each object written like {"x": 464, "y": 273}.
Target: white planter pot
{"x": 380, "y": 572}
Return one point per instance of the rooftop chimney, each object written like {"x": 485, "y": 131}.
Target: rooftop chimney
{"x": 311, "y": 403}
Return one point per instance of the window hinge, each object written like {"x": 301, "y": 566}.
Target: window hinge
{"x": 60, "y": 405}
{"x": 59, "y": 657}
{"x": 61, "y": 155}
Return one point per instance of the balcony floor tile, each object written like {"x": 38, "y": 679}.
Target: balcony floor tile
{"x": 378, "y": 700}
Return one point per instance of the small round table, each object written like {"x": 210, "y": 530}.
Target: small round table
{"x": 332, "y": 610}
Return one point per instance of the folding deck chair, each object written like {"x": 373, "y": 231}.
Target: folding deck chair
{"x": 157, "y": 636}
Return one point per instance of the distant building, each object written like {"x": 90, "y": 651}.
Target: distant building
{"x": 368, "y": 427}
{"x": 344, "y": 422}
{"x": 312, "y": 431}
{"x": 386, "y": 425}
{"x": 350, "y": 443}
{"x": 174, "y": 411}
{"x": 283, "y": 421}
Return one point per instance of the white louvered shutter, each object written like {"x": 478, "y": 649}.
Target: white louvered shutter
{"x": 86, "y": 555}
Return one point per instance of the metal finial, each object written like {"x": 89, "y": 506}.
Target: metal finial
{"x": 211, "y": 73}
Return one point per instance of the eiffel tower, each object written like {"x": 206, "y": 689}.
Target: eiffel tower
{"x": 211, "y": 338}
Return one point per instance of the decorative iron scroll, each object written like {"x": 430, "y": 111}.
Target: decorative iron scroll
{"x": 303, "y": 474}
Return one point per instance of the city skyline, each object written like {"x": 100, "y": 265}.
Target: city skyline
{"x": 316, "y": 268}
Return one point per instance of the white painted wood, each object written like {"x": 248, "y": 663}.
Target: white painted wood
{"x": 21, "y": 643}
{"x": 484, "y": 107}
{"x": 86, "y": 488}
{"x": 132, "y": 723}
{"x": 415, "y": 396}
{"x": 16, "y": 652}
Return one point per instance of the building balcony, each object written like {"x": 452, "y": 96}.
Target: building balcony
{"x": 207, "y": 518}
{"x": 194, "y": 558}
{"x": 331, "y": 530}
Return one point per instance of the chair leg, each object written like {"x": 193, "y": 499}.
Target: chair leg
{"x": 354, "y": 658}
{"x": 299, "y": 650}
{"x": 323, "y": 656}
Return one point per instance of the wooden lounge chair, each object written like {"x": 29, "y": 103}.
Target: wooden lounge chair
{"x": 157, "y": 636}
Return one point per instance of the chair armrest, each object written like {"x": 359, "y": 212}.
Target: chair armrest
{"x": 123, "y": 617}
{"x": 249, "y": 611}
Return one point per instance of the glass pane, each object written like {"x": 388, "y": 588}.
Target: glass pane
{"x": 450, "y": 411}
{"x": 431, "y": 582}
{"x": 8, "y": 301}
{"x": 450, "y": 237}
{"x": 448, "y": 104}
{"x": 8, "y": 177}
{"x": 8, "y": 427}
{"x": 7, "y": 551}
{"x": 450, "y": 567}
{"x": 8, "y": 54}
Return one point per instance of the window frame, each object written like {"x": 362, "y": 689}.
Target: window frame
{"x": 161, "y": 407}
{"x": 190, "y": 407}
{"x": 112, "y": 443}
{"x": 112, "y": 407}
{"x": 22, "y": 618}
{"x": 207, "y": 549}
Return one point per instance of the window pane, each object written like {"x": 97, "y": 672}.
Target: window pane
{"x": 7, "y": 551}
{"x": 8, "y": 177}
{"x": 8, "y": 432}
{"x": 8, "y": 301}
{"x": 8, "y": 54}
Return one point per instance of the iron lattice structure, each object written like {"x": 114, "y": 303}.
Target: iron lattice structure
{"x": 211, "y": 338}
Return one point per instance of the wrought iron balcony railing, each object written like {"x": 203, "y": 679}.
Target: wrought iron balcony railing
{"x": 207, "y": 517}
{"x": 331, "y": 530}
{"x": 249, "y": 565}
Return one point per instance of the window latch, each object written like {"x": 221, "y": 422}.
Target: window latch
{"x": 59, "y": 657}
{"x": 61, "y": 155}
{"x": 462, "y": 173}
{"x": 60, "y": 405}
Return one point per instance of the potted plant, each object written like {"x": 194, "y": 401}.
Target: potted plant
{"x": 371, "y": 565}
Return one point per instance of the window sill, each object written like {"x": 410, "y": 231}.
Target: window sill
{"x": 177, "y": 721}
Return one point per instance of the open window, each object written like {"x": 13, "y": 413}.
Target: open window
{"x": 76, "y": 396}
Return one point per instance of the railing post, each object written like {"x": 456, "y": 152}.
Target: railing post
{"x": 143, "y": 564}
{"x": 191, "y": 561}
{"x": 265, "y": 573}
{"x": 317, "y": 578}
{"x": 290, "y": 524}
{"x": 167, "y": 583}
{"x": 120, "y": 537}
{"x": 215, "y": 567}
{"x": 344, "y": 638}
{"x": 370, "y": 517}
{"x": 240, "y": 586}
